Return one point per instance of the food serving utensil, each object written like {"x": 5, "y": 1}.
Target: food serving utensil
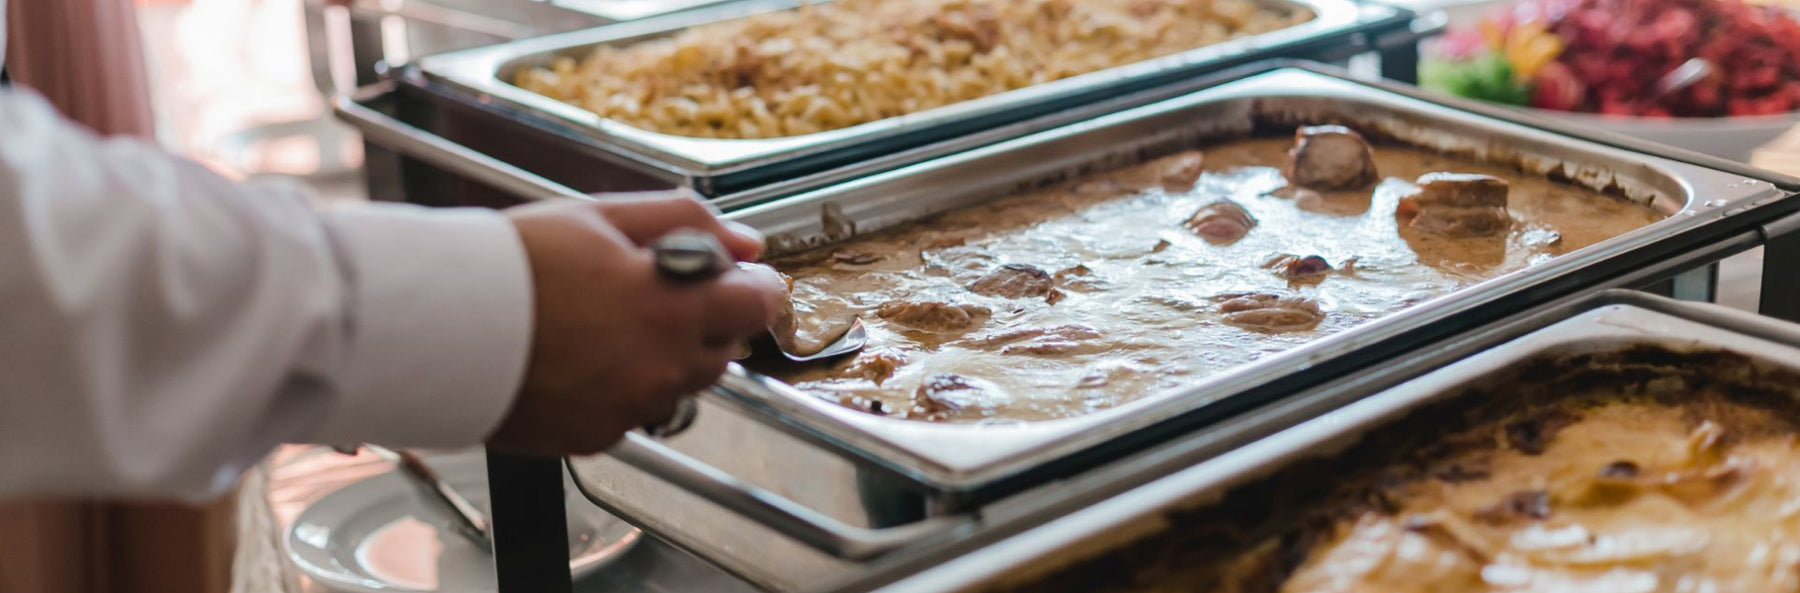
{"x": 691, "y": 255}
{"x": 466, "y": 519}
{"x": 1681, "y": 77}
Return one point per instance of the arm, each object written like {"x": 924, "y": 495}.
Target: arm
{"x": 162, "y": 327}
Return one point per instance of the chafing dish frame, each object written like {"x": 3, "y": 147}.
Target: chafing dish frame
{"x": 1661, "y": 248}
{"x": 939, "y": 455}
{"x": 1320, "y": 422}
{"x": 720, "y": 166}
{"x": 1762, "y": 223}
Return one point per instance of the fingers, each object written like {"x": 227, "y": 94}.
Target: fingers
{"x": 645, "y": 219}
{"x": 741, "y": 303}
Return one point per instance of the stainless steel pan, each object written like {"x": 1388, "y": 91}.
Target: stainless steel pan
{"x": 1326, "y": 426}
{"x": 718, "y": 166}
{"x": 956, "y": 457}
{"x": 803, "y": 468}
{"x": 957, "y": 468}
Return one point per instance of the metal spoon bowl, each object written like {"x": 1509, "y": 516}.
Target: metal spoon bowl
{"x": 691, "y": 255}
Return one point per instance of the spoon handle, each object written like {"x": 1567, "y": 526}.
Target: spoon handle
{"x": 690, "y": 255}
{"x": 686, "y": 256}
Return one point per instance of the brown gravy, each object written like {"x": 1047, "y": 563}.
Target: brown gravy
{"x": 1136, "y": 312}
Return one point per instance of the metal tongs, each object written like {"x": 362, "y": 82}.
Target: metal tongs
{"x": 466, "y": 519}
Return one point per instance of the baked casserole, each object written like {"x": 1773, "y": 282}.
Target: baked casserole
{"x": 838, "y": 64}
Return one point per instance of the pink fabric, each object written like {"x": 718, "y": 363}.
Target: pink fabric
{"x": 86, "y": 57}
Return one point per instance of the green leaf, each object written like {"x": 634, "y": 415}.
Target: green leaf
{"x": 1487, "y": 77}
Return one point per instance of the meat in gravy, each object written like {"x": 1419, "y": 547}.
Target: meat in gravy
{"x": 1090, "y": 294}
{"x": 1456, "y": 205}
{"x": 1331, "y": 158}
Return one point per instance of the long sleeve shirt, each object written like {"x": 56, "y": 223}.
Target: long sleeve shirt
{"x": 162, "y": 328}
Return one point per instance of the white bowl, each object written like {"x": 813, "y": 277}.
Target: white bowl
{"x": 1726, "y": 137}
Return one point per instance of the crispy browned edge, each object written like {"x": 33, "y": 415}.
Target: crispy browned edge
{"x": 1281, "y": 516}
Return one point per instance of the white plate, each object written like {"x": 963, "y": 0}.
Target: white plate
{"x": 1725, "y": 137}
{"x": 378, "y": 536}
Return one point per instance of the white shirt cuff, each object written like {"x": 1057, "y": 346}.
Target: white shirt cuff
{"x": 440, "y": 325}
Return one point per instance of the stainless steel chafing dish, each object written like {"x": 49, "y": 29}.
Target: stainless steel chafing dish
{"x": 1328, "y": 420}
{"x": 857, "y": 486}
{"x": 626, "y": 10}
{"x": 477, "y": 80}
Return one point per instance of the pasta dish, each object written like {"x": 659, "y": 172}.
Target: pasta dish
{"x": 839, "y": 64}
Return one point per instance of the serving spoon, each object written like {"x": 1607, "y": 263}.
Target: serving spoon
{"x": 691, "y": 255}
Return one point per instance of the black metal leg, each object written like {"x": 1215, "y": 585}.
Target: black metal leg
{"x": 1400, "y": 63}
{"x": 1781, "y": 271}
{"x": 531, "y": 531}
{"x": 1699, "y": 284}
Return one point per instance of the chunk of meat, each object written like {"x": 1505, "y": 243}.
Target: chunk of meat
{"x": 1311, "y": 268}
{"x": 1461, "y": 223}
{"x": 1331, "y": 158}
{"x": 1176, "y": 173}
{"x": 934, "y": 315}
{"x": 1463, "y": 190}
{"x": 1015, "y": 281}
{"x": 1456, "y": 205}
{"x": 1268, "y": 312}
{"x": 876, "y": 364}
{"x": 948, "y": 395}
{"x": 1078, "y": 278}
{"x": 1219, "y": 222}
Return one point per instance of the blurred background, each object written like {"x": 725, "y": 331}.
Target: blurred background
{"x": 241, "y": 85}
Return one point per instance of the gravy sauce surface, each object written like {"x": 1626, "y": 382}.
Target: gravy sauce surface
{"x": 1135, "y": 306}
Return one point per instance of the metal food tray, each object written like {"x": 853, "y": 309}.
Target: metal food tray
{"x": 961, "y": 467}
{"x": 1336, "y": 417}
{"x": 961, "y": 457}
{"x": 628, "y": 10}
{"x": 719, "y": 166}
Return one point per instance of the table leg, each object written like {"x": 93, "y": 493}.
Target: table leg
{"x": 1781, "y": 269}
{"x": 530, "y": 529}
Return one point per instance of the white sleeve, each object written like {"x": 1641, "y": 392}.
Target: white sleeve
{"x": 161, "y": 328}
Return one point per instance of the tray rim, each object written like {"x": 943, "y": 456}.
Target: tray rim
{"x": 1589, "y": 319}
{"x": 476, "y": 72}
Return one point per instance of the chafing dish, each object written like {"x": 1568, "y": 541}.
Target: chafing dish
{"x": 466, "y": 96}
{"x": 856, "y": 485}
{"x": 1329, "y": 421}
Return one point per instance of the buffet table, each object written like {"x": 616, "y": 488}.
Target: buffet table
{"x": 949, "y": 480}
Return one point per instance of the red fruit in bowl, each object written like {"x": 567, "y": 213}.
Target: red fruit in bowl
{"x": 1556, "y": 87}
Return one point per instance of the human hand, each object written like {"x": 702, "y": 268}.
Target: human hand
{"x": 614, "y": 344}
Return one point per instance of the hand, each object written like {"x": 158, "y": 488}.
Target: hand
{"x": 614, "y": 345}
